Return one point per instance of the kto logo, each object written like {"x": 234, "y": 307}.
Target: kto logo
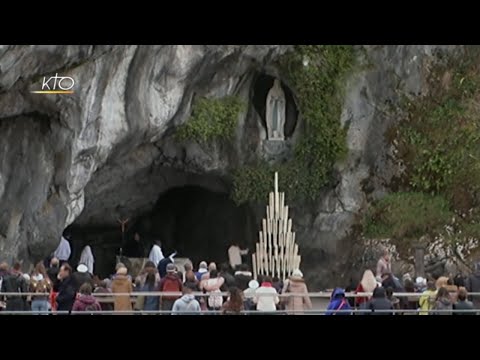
{"x": 56, "y": 85}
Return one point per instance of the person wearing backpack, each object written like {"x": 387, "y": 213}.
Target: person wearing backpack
{"x": 15, "y": 283}
{"x": 338, "y": 303}
{"x": 212, "y": 285}
{"x": 102, "y": 288}
{"x": 170, "y": 283}
{"x": 86, "y": 301}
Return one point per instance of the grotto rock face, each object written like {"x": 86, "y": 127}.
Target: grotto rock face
{"x": 371, "y": 96}
{"x": 108, "y": 150}
{"x": 93, "y": 151}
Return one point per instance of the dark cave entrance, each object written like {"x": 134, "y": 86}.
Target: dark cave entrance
{"x": 197, "y": 223}
{"x": 261, "y": 86}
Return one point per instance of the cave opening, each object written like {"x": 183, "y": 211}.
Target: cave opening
{"x": 261, "y": 86}
{"x": 197, "y": 223}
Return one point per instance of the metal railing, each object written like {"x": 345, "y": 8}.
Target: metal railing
{"x": 246, "y": 312}
{"x": 321, "y": 294}
{"x": 110, "y": 298}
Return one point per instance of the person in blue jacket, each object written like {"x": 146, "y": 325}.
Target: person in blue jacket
{"x": 338, "y": 303}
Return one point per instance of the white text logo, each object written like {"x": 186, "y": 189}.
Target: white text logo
{"x": 56, "y": 85}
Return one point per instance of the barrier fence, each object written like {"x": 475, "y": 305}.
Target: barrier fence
{"x": 109, "y": 297}
{"x": 321, "y": 294}
{"x": 244, "y": 312}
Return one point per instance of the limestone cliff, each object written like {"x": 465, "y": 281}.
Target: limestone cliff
{"x": 108, "y": 151}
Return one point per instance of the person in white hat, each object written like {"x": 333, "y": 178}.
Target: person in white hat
{"x": 123, "y": 285}
{"x": 81, "y": 276}
{"x": 420, "y": 284}
{"x": 295, "y": 284}
{"x": 82, "y": 268}
{"x": 249, "y": 294}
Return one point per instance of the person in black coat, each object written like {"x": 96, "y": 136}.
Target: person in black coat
{"x": 52, "y": 273}
{"x": 82, "y": 276}
{"x": 379, "y": 301}
{"x": 66, "y": 289}
{"x": 14, "y": 282}
{"x": 243, "y": 277}
{"x": 389, "y": 280}
{"x": 162, "y": 265}
{"x": 134, "y": 248}
{"x": 229, "y": 278}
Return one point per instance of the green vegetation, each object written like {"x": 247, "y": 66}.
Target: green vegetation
{"x": 319, "y": 89}
{"x": 439, "y": 139}
{"x": 212, "y": 119}
{"x": 408, "y": 216}
{"x": 438, "y": 142}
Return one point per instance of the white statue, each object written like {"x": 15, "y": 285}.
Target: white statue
{"x": 275, "y": 112}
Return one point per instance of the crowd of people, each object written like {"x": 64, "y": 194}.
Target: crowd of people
{"x": 223, "y": 290}
{"x": 433, "y": 295}
{"x": 60, "y": 289}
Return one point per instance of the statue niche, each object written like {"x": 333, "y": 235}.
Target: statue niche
{"x": 275, "y": 114}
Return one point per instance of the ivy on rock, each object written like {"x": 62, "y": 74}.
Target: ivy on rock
{"x": 438, "y": 144}
{"x": 316, "y": 74}
{"x": 212, "y": 119}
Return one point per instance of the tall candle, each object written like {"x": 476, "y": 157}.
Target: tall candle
{"x": 258, "y": 256}
{"x": 276, "y": 182}
{"x": 276, "y": 205}
{"x": 282, "y": 204}
{"x": 254, "y": 264}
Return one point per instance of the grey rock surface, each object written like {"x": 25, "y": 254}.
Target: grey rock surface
{"x": 108, "y": 150}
